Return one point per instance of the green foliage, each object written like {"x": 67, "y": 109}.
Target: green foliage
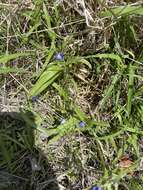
{"x": 106, "y": 56}
{"x": 99, "y": 82}
{"x": 46, "y": 78}
{"x": 123, "y": 11}
{"x": 5, "y": 70}
{"x": 8, "y": 57}
{"x": 109, "y": 90}
{"x": 61, "y": 91}
{"x": 130, "y": 88}
{"x": 53, "y": 71}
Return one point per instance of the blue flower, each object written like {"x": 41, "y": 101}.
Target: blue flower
{"x": 59, "y": 57}
{"x": 34, "y": 98}
{"x": 82, "y": 124}
{"x": 95, "y": 188}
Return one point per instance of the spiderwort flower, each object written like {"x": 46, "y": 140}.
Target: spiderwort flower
{"x": 59, "y": 57}
{"x": 34, "y": 98}
{"x": 82, "y": 124}
{"x": 95, "y": 188}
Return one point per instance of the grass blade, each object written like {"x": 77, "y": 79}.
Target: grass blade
{"x": 9, "y": 57}
{"x": 5, "y": 70}
{"x": 123, "y": 10}
{"x": 130, "y": 89}
{"x": 109, "y": 90}
{"x": 47, "y": 78}
{"x": 106, "y": 56}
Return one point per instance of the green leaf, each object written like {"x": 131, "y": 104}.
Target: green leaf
{"x": 106, "y": 56}
{"x": 108, "y": 91}
{"x": 5, "y": 70}
{"x": 46, "y": 79}
{"x": 77, "y": 60}
{"x": 32, "y": 29}
{"x": 111, "y": 135}
{"x": 123, "y": 10}
{"x": 133, "y": 140}
{"x": 65, "y": 129}
{"x": 47, "y": 18}
{"x": 130, "y": 88}
{"x": 81, "y": 115}
{"x": 61, "y": 91}
{"x": 135, "y": 185}
{"x": 48, "y": 58}
{"x": 8, "y": 57}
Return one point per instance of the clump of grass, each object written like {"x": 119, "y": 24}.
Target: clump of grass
{"x": 77, "y": 66}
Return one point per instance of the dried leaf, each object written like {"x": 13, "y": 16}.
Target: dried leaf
{"x": 125, "y": 162}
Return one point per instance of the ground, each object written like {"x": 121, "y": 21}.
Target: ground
{"x": 71, "y": 111}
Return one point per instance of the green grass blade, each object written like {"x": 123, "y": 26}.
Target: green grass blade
{"x": 5, "y": 70}
{"x": 47, "y": 78}
{"x": 48, "y": 58}
{"x": 106, "y": 56}
{"x": 61, "y": 91}
{"x": 81, "y": 115}
{"x": 47, "y": 18}
{"x": 108, "y": 92}
{"x": 8, "y": 57}
{"x": 79, "y": 60}
{"x": 32, "y": 29}
{"x": 123, "y": 10}
{"x": 65, "y": 129}
{"x": 112, "y": 135}
{"x": 130, "y": 89}
{"x": 133, "y": 140}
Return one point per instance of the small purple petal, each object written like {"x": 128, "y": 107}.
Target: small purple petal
{"x": 59, "y": 57}
{"x": 82, "y": 124}
{"x": 34, "y": 98}
{"x": 96, "y": 188}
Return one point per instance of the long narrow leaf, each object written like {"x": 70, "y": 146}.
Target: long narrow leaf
{"x": 108, "y": 93}
{"x": 106, "y": 56}
{"x": 5, "y": 70}
{"x": 123, "y": 10}
{"x": 130, "y": 89}
{"x": 9, "y": 57}
{"x": 47, "y": 78}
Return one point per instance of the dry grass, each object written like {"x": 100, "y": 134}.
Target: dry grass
{"x": 86, "y": 156}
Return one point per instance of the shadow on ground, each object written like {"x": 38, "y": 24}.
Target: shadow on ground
{"x": 22, "y": 166}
